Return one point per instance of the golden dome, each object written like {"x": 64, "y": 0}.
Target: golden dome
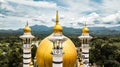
{"x": 44, "y": 57}
{"x": 57, "y": 28}
{"x": 27, "y": 28}
{"x": 43, "y": 54}
{"x": 85, "y": 30}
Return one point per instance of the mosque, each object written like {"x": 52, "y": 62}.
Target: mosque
{"x": 56, "y": 50}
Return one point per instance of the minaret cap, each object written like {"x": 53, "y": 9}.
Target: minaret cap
{"x": 27, "y": 29}
{"x": 57, "y": 28}
{"x": 85, "y": 29}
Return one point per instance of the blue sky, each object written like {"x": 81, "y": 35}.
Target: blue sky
{"x": 72, "y": 13}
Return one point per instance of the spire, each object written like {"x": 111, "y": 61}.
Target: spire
{"x": 57, "y": 27}
{"x": 85, "y": 23}
{"x": 27, "y": 29}
{"x": 57, "y": 18}
{"x": 85, "y": 29}
{"x": 27, "y": 23}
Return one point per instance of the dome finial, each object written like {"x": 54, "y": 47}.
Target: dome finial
{"x": 57, "y": 27}
{"x": 85, "y": 29}
{"x": 27, "y": 23}
{"x": 27, "y": 29}
{"x": 57, "y": 18}
{"x": 85, "y": 23}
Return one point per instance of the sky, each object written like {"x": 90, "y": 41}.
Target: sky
{"x": 72, "y": 13}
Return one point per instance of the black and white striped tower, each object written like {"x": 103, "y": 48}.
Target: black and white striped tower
{"x": 57, "y": 51}
{"x": 57, "y": 39}
{"x": 27, "y": 38}
{"x": 85, "y": 38}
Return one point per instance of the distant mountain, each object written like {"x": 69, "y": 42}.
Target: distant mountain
{"x": 117, "y": 28}
{"x": 98, "y": 28}
{"x": 44, "y": 30}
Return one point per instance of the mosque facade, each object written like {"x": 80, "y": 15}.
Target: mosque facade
{"x": 56, "y": 50}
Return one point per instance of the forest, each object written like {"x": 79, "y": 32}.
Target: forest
{"x": 105, "y": 50}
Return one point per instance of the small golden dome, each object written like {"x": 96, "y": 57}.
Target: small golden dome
{"x": 57, "y": 28}
{"x": 27, "y": 28}
{"x": 85, "y": 30}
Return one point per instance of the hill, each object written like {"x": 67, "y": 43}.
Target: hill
{"x": 44, "y": 30}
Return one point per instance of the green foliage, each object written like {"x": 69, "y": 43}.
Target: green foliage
{"x": 105, "y": 50}
{"x": 10, "y": 53}
{"x": 111, "y": 63}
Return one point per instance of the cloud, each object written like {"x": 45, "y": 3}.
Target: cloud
{"x": 72, "y": 13}
{"x": 2, "y": 16}
{"x": 110, "y": 6}
{"x": 43, "y": 4}
{"x": 112, "y": 19}
{"x": 5, "y": 6}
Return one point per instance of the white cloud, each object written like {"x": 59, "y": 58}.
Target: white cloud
{"x": 71, "y": 15}
{"x": 110, "y": 18}
{"x": 6, "y": 6}
{"x": 113, "y": 18}
{"x": 1, "y": 15}
{"x": 43, "y": 4}
{"x": 110, "y": 6}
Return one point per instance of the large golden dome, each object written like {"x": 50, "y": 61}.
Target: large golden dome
{"x": 44, "y": 57}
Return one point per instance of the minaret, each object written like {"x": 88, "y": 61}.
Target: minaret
{"x": 85, "y": 38}
{"x": 57, "y": 39}
{"x": 27, "y": 38}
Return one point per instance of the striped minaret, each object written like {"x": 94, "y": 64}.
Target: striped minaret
{"x": 85, "y": 38}
{"x": 27, "y": 38}
{"x": 57, "y": 51}
{"x": 57, "y": 39}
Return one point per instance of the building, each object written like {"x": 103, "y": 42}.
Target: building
{"x": 57, "y": 50}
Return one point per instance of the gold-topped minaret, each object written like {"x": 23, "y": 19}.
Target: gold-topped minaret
{"x": 27, "y": 29}
{"x": 85, "y": 29}
{"x": 57, "y": 28}
{"x": 43, "y": 54}
{"x": 85, "y": 39}
{"x": 27, "y": 43}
